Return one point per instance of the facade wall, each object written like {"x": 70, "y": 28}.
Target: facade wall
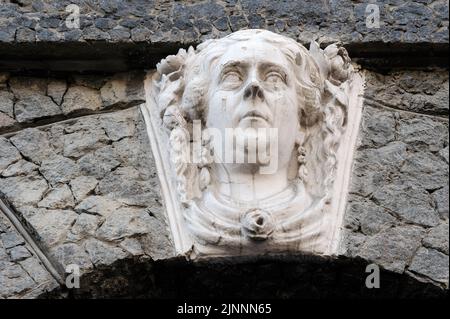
{"x": 77, "y": 172}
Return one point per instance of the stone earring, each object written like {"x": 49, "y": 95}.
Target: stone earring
{"x": 301, "y": 159}
{"x": 205, "y": 161}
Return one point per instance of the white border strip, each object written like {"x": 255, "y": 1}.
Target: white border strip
{"x": 345, "y": 163}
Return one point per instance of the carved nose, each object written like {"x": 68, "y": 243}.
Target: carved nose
{"x": 253, "y": 90}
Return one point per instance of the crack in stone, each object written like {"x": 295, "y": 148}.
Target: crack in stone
{"x": 384, "y": 105}
{"x": 61, "y": 119}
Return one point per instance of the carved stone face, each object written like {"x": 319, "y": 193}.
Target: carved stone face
{"x": 255, "y": 79}
{"x": 252, "y": 86}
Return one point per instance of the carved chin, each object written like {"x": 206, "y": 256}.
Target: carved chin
{"x": 257, "y": 224}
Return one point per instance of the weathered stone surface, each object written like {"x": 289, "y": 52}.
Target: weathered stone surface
{"x": 21, "y": 274}
{"x": 56, "y": 90}
{"x": 85, "y": 226}
{"x": 431, "y": 170}
{"x": 126, "y": 150}
{"x": 70, "y": 253}
{"x": 408, "y": 201}
{"x": 27, "y": 99}
{"x": 124, "y": 88}
{"x": 431, "y": 263}
{"x": 14, "y": 281}
{"x": 6, "y": 121}
{"x": 33, "y": 144}
{"x": 443, "y": 153}
{"x": 51, "y": 225}
{"x": 25, "y": 35}
{"x": 35, "y": 107}
{"x": 59, "y": 197}
{"x": 392, "y": 248}
{"x": 373, "y": 166}
{"x": 132, "y": 246}
{"x": 58, "y": 169}
{"x": 6, "y": 103}
{"x": 437, "y": 238}
{"x": 125, "y": 184}
{"x": 80, "y": 98}
{"x": 416, "y": 91}
{"x": 368, "y": 217}
{"x": 79, "y": 143}
{"x": 402, "y": 21}
{"x": 441, "y": 200}
{"x": 101, "y": 205}
{"x": 82, "y": 186}
{"x": 20, "y": 168}
{"x": 8, "y": 155}
{"x": 400, "y": 175}
{"x": 101, "y": 253}
{"x": 98, "y": 205}
{"x": 11, "y": 239}
{"x": 378, "y": 127}
{"x": 23, "y": 190}
{"x": 117, "y": 129}
{"x": 32, "y": 102}
{"x": 24, "y": 87}
{"x": 423, "y": 133}
{"x": 88, "y": 80}
{"x": 124, "y": 223}
{"x": 38, "y": 273}
{"x": 100, "y": 162}
{"x": 157, "y": 244}
{"x": 18, "y": 253}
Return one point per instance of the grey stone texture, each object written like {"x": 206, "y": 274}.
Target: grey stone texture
{"x": 22, "y": 275}
{"x": 87, "y": 189}
{"x": 179, "y": 22}
{"x": 397, "y": 215}
{"x": 25, "y": 100}
{"x": 78, "y": 171}
{"x": 93, "y": 199}
{"x": 400, "y": 90}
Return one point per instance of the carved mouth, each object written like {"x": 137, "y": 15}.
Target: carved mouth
{"x": 255, "y": 115}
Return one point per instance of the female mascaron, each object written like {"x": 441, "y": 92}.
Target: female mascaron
{"x": 255, "y": 121}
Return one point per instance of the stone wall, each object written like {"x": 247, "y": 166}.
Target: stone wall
{"x": 397, "y": 215}
{"x": 84, "y": 187}
{"x": 22, "y": 274}
{"x": 124, "y": 34}
{"x": 29, "y": 101}
{"x": 77, "y": 173}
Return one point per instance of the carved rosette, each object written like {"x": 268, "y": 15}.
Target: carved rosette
{"x": 257, "y": 224}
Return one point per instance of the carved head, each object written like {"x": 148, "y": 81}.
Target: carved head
{"x": 259, "y": 79}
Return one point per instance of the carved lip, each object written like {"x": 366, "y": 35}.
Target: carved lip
{"x": 255, "y": 114}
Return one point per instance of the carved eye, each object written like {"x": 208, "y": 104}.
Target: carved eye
{"x": 232, "y": 79}
{"x": 274, "y": 77}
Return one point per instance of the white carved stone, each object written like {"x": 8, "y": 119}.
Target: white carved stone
{"x": 291, "y": 200}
